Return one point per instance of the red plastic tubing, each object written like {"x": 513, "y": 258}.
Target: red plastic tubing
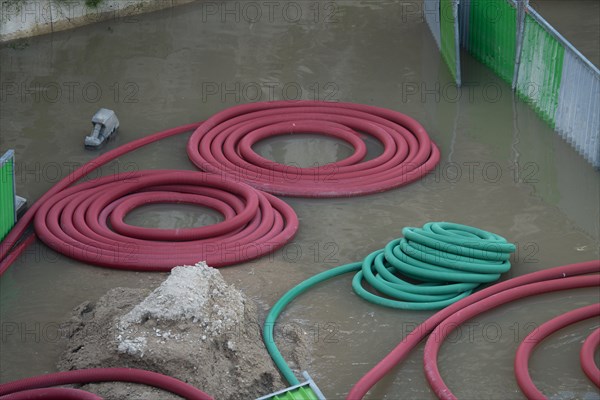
{"x": 438, "y": 335}
{"x": 223, "y": 145}
{"x": 586, "y": 357}
{"x": 538, "y": 335}
{"x": 557, "y": 278}
{"x": 52, "y": 394}
{"x": 75, "y": 221}
{"x": 95, "y": 375}
{"x": 11, "y": 247}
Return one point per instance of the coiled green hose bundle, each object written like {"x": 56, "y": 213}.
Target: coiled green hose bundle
{"x": 433, "y": 266}
{"x": 428, "y": 269}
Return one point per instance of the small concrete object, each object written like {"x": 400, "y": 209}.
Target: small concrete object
{"x": 307, "y": 390}
{"x": 105, "y": 123}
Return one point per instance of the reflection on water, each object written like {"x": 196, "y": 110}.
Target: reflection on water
{"x": 502, "y": 169}
{"x": 303, "y": 150}
{"x": 173, "y": 216}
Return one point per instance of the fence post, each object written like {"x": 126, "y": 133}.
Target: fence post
{"x": 431, "y": 12}
{"x": 455, "y": 4}
{"x": 521, "y": 11}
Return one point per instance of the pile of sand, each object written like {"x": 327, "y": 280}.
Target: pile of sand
{"x": 194, "y": 327}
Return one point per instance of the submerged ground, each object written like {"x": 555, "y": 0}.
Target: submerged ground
{"x": 502, "y": 169}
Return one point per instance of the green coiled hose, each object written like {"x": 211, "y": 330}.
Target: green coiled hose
{"x": 428, "y": 269}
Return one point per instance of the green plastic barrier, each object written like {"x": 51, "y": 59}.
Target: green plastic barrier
{"x": 449, "y": 37}
{"x": 540, "y": 71}
{"x": 492, "y": 35}
{"x": 7, "y": 193}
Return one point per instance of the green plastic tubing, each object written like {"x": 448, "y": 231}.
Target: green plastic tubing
{"x": 427, "y": 269}
{"x": 286, "y": 371}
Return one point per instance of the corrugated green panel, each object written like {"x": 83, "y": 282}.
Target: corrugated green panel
{"x": 492, "y": 35}
{"x": 7, "y": 198}
{"x": 540, "y": 72}
{"x": 448, "y": 33}
{"x": 301, "y": 393}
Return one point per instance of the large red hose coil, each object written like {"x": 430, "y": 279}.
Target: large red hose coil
{"x": 85, "y": 221}
{"x": 223, "y": 145}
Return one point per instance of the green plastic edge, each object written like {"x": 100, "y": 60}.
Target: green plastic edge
{"x": 542, "y": 96}
{"x": 301, "y": 393}
{"x": 447, "y": 33}
{"x": 492, "y": 35}
{"x": 7, "y": 198}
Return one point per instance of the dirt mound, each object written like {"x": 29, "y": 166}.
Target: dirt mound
{"x": 194, "y": 327}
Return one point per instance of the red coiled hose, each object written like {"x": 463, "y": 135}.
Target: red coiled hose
{"x": 223, "y": 145}
{"x": 95, "y": 375}
{"x": 12, "y": 245}
{"x": 75, "y": 221}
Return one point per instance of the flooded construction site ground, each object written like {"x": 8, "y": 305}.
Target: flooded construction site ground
{"x": 502, "y": 169}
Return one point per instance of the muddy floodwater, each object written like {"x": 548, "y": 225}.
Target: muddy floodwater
{"x": 502, "y": 169}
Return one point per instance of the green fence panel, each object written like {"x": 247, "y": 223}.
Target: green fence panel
{"x": 549, "y": 73}
{"x": 492, "y": 35}
{"x": 7, "y": 193}
{"x": 449, "y": 37}
{"x": 540, "y": 71}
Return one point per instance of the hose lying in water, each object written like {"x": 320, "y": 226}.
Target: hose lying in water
{"x": 223, "y": 145}
{"x": 95, "y": 375}
{"x": 408, "y": 155}
{"x": 446, "y": 260}
{"x": 537, "y": 336}
{"x": 442, "y": 330}
{"x": 529, "y": 284}
{"x": 586, "y": 357}
{"x": 13, "y": 244}
{"x": 75, "y": 221}
{"x": 436, "y": 254}
{"x": 553, "y": 276}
